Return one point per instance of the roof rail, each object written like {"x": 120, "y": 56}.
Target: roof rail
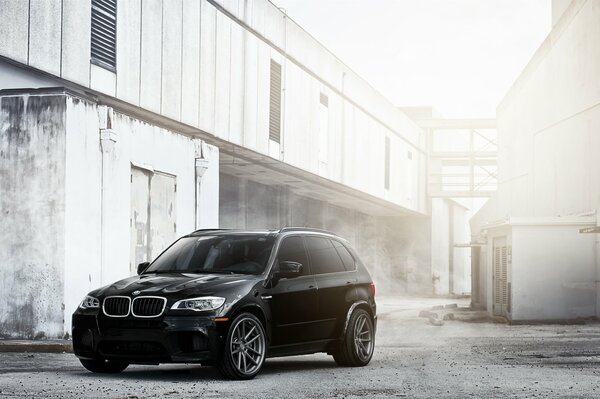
{"x": 207, "y": 230}
{"x": 284, "y": 229}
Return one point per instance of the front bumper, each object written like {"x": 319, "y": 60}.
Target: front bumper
{"x": 168, "y": 339}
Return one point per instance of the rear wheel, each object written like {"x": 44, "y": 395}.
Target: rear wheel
{"x": 103, "y": 366}
{"x": 358, "y": 341}
{"x": 244, "y": 349}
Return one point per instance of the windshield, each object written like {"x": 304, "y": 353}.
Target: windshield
{"x": 244, "y": 254}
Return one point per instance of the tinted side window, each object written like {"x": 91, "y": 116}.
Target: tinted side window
{"x": 347, "y": 258}
{"x": 323, "y": 256}
{"x": 292, "y": 249}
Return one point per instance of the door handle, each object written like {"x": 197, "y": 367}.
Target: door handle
{"x": 312, "y": 287}
{"x": 266, "y": 297}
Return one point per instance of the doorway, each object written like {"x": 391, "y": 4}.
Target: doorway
{"x": 153, "y": 217}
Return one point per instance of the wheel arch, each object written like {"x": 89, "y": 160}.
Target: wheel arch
{"x": 255, "y": 310}
{"x": 360, "y": 304}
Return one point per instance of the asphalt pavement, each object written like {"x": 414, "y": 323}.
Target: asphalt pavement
{"x": 469, "y": 356}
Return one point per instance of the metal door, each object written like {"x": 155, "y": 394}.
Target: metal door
{"x": 162, "y": 212}
{"x": 153, "y": 215}
{"x": 140, "y": 217}
{"x": 500, "y": 276}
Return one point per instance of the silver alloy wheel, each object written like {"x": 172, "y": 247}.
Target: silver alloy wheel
{"x": 363, "y": 337}
{"x": 247, "y": 346}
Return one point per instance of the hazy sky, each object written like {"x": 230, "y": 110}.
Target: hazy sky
{"x": 461, "y": 56}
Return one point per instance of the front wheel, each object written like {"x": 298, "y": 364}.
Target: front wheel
{"x": 244, "y": 349}
{"x": 103, "y": 366}
{"x": 358, "y": 342}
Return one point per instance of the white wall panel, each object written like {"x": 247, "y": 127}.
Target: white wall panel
{"x": 208, "y": 27}
{"x": 171, "y": 58}
{"x": 237, "y": 92}
{"x": 251, "y": 91}
{"x": 76, "y": 37}
{"x": 223, "y": 76}
{"x": 14, "y": 43}
{"x": 190, "y": 68}
{"x": 103, "y": 80}
{"x": 151, "y": 55}
{"x": 129, "y": 27}
{"x": 44, "y": 35}
{"x": 262, "y": 98}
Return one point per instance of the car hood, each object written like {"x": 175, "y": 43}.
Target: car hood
{"x": 178, "y": 284}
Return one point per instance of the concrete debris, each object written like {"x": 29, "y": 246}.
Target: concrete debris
{"x": 451, "y": 306}
{"x": 449, "y": 316}
{"x": 427, "y": 313}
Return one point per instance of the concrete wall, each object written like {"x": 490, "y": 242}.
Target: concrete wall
{"x": 138, "y": 144}
{"x": 32, "y": 225}
{"x": 66, "y": 204}
{"x": 552, "y": 282}
{"x": 395, "y": 249}
{"x": 549, "y": 149}
{"x": 206, "y": 64}
{"x": 549, "y": 154}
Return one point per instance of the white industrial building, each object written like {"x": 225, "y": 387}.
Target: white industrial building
{"x": 126, "y": 124}
{"x": 535, "y": 251}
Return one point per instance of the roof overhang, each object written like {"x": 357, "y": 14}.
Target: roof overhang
{"x": 247, "y": 164}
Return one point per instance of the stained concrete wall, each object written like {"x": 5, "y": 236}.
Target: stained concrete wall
{"x": 137, "y": 144}
{"x": 32, "y": 222}
{"x": 66, "y": 227}
{"x": 395, "y": 249}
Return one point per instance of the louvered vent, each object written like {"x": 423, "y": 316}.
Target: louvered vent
{"x": 275, "y": 103}
{"x": 104, "y": 33}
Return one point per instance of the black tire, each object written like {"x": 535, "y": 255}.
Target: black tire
{"x": 103, "y": 366}
{"x": 244, "y": 349}
{"x": 358, "y": 342}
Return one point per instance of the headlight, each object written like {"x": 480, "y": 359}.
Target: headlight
{"x": 199, "y": 304}
{"x": 89, "y": 302}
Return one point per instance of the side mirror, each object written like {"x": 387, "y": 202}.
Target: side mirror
{"x": 289, "y": 269}
{"x": 142, "y": 267}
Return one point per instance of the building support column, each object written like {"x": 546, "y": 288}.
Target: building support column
{"x": 108, "y": 139}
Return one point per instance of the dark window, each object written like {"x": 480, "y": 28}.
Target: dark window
{"x": 323, "y": 256}
{"x": 275, "y": 103}
{"x": 324, "y": 100}
{"x": 104, "y": 33}
{"x": 387, "y": 163}
{"x": 347, "y": 258}
{"x": 292, "y": 249}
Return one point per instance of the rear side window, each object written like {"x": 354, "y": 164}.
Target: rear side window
{"x": 347, "y": 258}
{"x": 292, "y": 249}
{"x": 323, "y": 256}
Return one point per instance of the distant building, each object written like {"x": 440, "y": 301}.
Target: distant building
{"x": 531, "y": 260}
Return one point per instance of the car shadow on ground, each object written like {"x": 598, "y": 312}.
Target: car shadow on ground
{"x": 194, "y": 373}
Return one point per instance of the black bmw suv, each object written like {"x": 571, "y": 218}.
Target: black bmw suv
{"x": 232, "y": 298}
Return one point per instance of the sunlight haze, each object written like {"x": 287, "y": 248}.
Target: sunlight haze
{"x": 460, "y": 56}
